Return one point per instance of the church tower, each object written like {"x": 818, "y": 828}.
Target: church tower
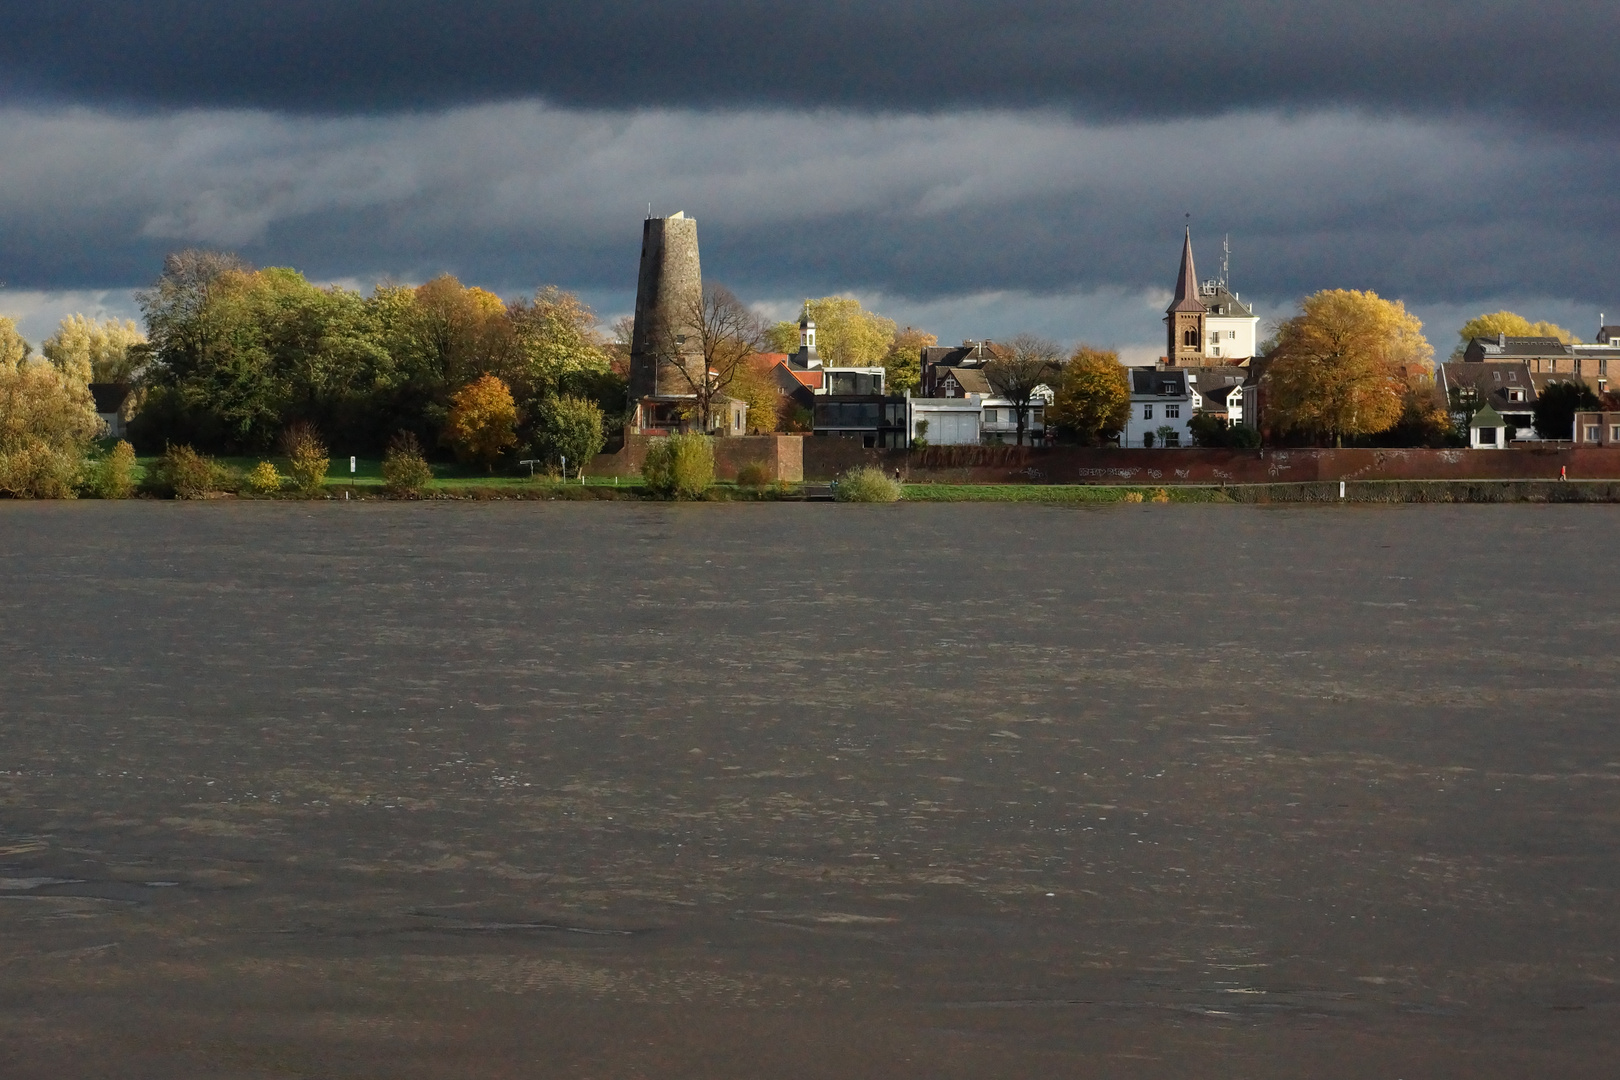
{"x": 807, "y": 357}
{"x": 1184, "y": 318}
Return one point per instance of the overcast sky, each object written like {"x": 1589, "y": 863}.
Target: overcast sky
{"x": 972, "y": 168}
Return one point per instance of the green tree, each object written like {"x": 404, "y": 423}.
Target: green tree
{"x": 1341, "y": 367}
{"x": 1556, "y": 405}
{"x": 482, "y": 421}
{"x": 1092, "y": 401}
{"x": 212, "y": 378}
{"x": 570, "y": 429}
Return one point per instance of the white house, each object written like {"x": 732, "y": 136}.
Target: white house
{"x": 1161, "y": 406}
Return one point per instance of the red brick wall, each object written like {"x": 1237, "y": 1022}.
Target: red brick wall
{"x": 827, "y": 458}
{"x": 780, "y": 454}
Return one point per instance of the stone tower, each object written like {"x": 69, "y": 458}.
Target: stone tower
{"x": 668, "y": 290}
{"x": 1184, "y": 318}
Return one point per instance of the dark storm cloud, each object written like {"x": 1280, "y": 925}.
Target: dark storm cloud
{"x": 923, "y": 206}
{"x": 1144, "y": 58}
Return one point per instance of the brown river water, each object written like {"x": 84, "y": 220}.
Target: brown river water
{"x": 808, "y": 791}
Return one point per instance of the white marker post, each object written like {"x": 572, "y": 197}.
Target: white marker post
{"x": 1341, "y": 489}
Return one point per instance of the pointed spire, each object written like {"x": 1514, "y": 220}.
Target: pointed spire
{"x": 1186, "y": 297}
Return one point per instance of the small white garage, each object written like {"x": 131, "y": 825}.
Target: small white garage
{"x": 945, "y": 421}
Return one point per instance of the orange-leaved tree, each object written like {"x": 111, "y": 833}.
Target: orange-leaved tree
{"x": 482, "y": 421}
{"x": 1343, "y": 364}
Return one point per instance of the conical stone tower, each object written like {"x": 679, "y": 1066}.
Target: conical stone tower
{"x": 669, "y": 291}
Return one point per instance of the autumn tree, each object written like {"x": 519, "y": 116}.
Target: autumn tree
{"x": 1093, "y": 396}
{"x": 107, "y": 350}
{"x": 756, "y": 387}
{"x": 482, "y": 421}
{"x": 47, "y": 425}
{"x": 1341, "y": 367}
{"x": 846, "y": 335}
{"x": 13, "y": 349}
{"x": 1506, "y": 322}
{"x": 1024, "y": 368}
{"x": 722, "y": 336}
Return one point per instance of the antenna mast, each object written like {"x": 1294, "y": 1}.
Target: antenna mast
{"x": 1226, "y": 257}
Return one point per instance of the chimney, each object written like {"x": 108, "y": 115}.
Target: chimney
{"x": 1501, "y": 339}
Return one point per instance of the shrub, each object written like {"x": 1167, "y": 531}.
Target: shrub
{"x": 1161, "y": 496}
{"x": 113, "y": 477}
{"x": 263, "y": 479}
{"x": 306, "y": 457}
{"x": 867, "y": 484}
{"x": 679, "y": 466}
{"x": 1133, "y": 497}
{"x": 404, "y": 470}
{"x": 185, "y": 474}
{"x": 754, "y": 474}
{"x": 47, "y": 426}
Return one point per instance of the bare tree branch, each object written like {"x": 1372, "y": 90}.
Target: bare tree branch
{"x": 1028, "y": 364}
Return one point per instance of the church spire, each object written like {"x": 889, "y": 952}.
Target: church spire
{"x": 1186, "y": 297}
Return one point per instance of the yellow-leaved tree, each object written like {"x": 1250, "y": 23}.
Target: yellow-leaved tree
{"x": 95, "y": 351}
{"x": 482, "y": 422}
{"x": 1092, "y": 400}
{"x": 1341, "y": 367}
{"x": 846, "y": 335}
{"x": 1506, "y": 322}
{"x": 13, "y": 349}
{"x": 47, "y": 423}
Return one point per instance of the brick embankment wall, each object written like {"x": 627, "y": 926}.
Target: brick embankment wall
{"x": 829, "y": 458}
{"x": 782, "y": 456}
{"x": 1430, "y": 491}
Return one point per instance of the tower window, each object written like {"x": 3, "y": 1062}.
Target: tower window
{"x": 1189, "y": 338}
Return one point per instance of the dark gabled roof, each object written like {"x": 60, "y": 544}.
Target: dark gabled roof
{"x": 1515, "y": 375}
{"x": 966, "y": 354}
{"x": 970, "y": 379}
{"x": 1186, "y": 294}
{"x": 1214, "y": 375}
{"x": 1159, "y": 382}
{"x": 1486, "y": 417}
{"x": 110, "y": 397}
{"x": 1503, "y": 348}
{"x": 1223, "y": 304}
